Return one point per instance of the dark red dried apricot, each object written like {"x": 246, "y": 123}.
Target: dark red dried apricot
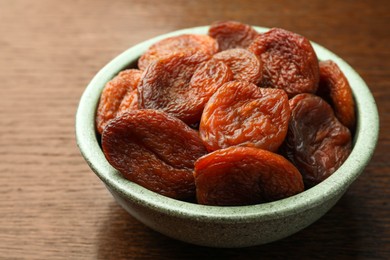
{"x": 232, "y": 34}
{"x": 245, "y": 65}
{"x": 242, "y": 175}
{"x": 113, "y": 94}
{"x": 289, "y": 61}
{"x": 240, "y": 113}
{"x": 316, "y": 142}
{"x": 185, "y": 43}
{"x": 166, "y": 86}
{"x": 154, "y": 150}
{"x": 334, "y": 88}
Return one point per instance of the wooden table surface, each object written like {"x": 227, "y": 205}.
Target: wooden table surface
{"x": 52, "y": 206}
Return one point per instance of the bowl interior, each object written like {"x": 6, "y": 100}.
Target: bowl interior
{"x": 364, "y": 144}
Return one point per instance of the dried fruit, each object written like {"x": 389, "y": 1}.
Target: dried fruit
{"x": 240, "y": 113}
{"x": 227, "y": 93}
{"x": 334, "y": 88}
{"x": 289, "y": 61}
{"x": 243, "y": 63}
{"x": 243, "y": 176}
{"x": 113, "y": 94}
{"x": 154, "y": 150}
{"x": 232, "y": 34}
{"x": 166, "y": 86}
{"x": 186, "y": 43}
{"x": 205, "y": 81}
{"x": 316, "y": 142}
{"x": 129, "y": 102}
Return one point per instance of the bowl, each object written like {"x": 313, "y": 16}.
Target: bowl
{"x": 228, "y": 227}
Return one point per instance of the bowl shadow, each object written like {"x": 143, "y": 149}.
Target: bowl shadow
{"x": 122, "y": 237}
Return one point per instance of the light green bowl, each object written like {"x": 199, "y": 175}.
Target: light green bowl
{"x": 226, "y": 226}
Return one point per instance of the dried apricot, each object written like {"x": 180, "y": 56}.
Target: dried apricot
{"x": 316, "y": 142}
{"x": 243, "y": 176}
{"x": 113, "y": 94}
{"x": 155, "y": 150}
{"x": 240, "y": 113}
{"x": 185, "y": 43}
{"x": 208, "y": 77}
{"x": 243, "y": 63}
{"x": 334, "y": 88}
{"x": 166, "y": 86}
{"x": 232, "y": 34}
{"x": 289, "y": 61}
{"x": 129, "y": 102}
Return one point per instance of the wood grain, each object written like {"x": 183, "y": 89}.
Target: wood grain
{"x": 52, "y": 205}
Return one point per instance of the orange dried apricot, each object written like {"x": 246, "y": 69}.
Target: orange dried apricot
{"x": 334, "y": 88}
{"x": 166, "y": 86}
{"x": 232, "y": 34}
{"x": 185, "y": 43}
{"x": 240, "y": 113}
{"x": 113, "y": 94}
{"x": 289, "y": 61}
{"x": 243, "y": 63}
{"x": 243, "y": 176}
{"x": 155, "y": 150}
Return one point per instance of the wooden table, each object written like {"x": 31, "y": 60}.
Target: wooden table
{"x": 52, "y": 206}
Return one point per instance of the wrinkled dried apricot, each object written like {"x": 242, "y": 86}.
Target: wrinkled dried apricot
{"x": 289, "y": 61}
{"x": 207, "y": 78}
{"x": 316, "y": 142}
{"x": 155, "y": 150}
{"x": 129, "y": 102}
{"x": 334, "y": 88}
{"x": 240, "y": 113}
{"x": 166, "y": 86}
{"x": 243, "y": 63}
{"x": 232, "y": 34}
{"x": 113, "y": 94}
{"x": 243, "y": 176}
{"x": 186, "y": 43}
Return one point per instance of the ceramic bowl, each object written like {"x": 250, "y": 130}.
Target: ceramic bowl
{"x": 214, "y": 226}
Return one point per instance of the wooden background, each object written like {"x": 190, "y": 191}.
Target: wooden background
{"x": 52, "y": 206}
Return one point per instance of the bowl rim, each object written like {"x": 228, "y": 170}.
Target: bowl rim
{"x": 367, "y": 129}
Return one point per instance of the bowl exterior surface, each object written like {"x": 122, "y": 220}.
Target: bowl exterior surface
{"x": 219, "y": 232}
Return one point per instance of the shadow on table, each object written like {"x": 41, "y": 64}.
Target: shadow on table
{"x": 121, "y": 236}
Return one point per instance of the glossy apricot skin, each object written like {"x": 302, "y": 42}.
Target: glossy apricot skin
{"x": 334, "y": 88}
{"x": 243, "y": 176}
{"x": 240, "y": 113}
{"x": 154, "y": 150}
{"x": 316, "y": 142}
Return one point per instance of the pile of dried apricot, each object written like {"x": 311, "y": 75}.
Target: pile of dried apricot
{"x": 235, "y": 117}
